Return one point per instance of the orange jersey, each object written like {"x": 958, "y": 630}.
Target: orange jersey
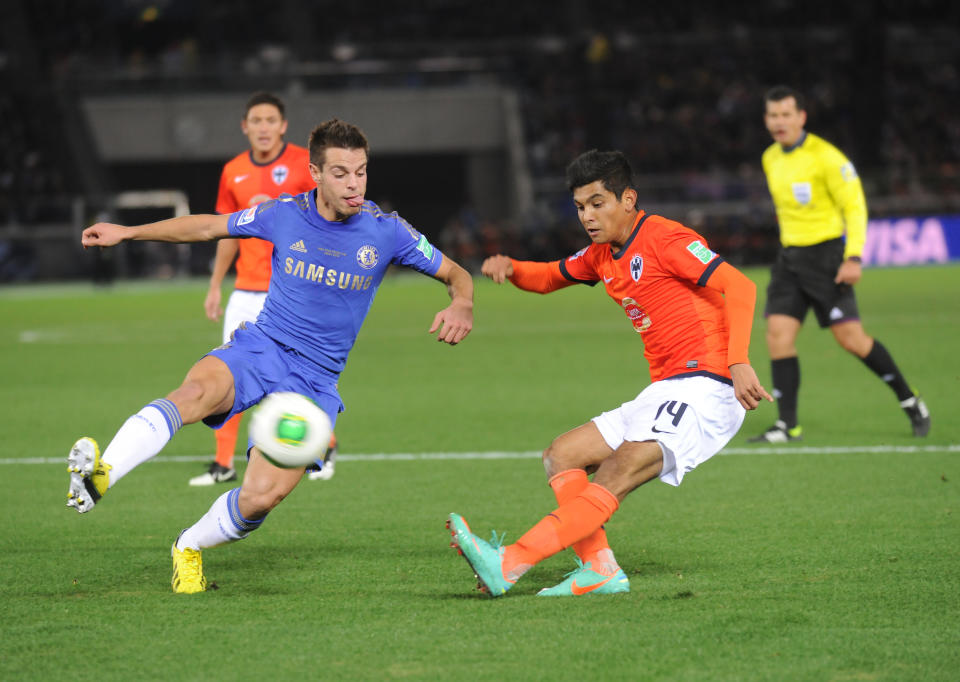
{"x": 659, "y": 280}
{"x": 245, "y": 183}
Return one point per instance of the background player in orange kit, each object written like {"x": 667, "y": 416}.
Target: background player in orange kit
{"x": 268, "y": 169}
{"x": 694, "y": 312}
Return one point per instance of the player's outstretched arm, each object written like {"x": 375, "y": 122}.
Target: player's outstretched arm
{"x": 188, "y": 228}
{"x": 456, "y": 320}
{"x": 541, "y": 278}
{"x": 498, "y": 268}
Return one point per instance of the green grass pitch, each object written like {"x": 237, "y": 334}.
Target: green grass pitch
{"x": 834, "y": 559}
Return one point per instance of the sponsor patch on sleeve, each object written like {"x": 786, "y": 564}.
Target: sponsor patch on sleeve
{"x": 247, "y": 216}
{"x": 701, "y": 252}
{"x": 848, "y": 172}
{"x": 425, "y": 247}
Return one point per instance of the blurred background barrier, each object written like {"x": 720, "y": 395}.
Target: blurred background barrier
{"x": 473, "y": 110}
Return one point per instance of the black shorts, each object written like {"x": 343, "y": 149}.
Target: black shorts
{"x": 802, "y": 276}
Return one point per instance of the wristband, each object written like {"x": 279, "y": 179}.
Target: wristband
{"x": 855, "y": 259}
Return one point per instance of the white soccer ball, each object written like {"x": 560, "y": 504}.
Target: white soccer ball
{"x": 290, "y": 430}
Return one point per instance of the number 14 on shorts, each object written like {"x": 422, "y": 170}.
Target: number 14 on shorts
{"x": 668, "y": 416}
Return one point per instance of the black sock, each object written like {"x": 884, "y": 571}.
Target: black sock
{"x": 786, "y": 385}
{"x": 882, "y": 364}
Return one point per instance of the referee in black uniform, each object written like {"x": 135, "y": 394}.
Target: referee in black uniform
{"x": 822, "y": 214}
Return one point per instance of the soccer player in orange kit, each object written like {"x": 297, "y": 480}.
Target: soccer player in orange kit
{"x": 694, "y": 312}
{"x": 268, "y": 169}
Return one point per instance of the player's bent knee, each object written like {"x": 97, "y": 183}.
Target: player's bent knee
{"x": 644, "y": 465}
{"x": 198, "y": 398}
{"x": 556, "y": 458}
{"x": 859, "y": 346}
{"x": 630, "y": 467}
{"x": 780, "y": 344}
{"x": 849, "y": 346}
{"x": 853, "y": 339}
{"x": 192, "y": 400}
{"x": 255, "y": 504}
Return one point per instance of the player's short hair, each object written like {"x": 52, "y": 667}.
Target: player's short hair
{"x": 780, "y": 92}
{"x": 611, "y": 168}
{"x": 335, "y": 133}
{"x": 265, "y": 98}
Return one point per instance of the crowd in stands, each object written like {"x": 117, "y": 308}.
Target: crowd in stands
{"x": 679, "y": 90}
{"x": 31, "y": 182}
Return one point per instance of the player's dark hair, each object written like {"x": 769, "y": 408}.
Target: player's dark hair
{"x": 779, "y": 93}
{"x": 265, "y": 98}
{"x": 611, "y": 168}
{"x": 335, "y": 133}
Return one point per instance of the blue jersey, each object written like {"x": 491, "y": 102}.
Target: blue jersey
{"x": 325, "y": 274}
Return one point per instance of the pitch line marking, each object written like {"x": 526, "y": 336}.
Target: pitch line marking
{"x": 532, "y": 454}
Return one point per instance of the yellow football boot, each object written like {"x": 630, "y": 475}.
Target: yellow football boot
{"x": 89, "y": 475}
{"x": 188, "y": 575}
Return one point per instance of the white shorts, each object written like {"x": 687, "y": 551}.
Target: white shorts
{"x": 692, "y": 418}
{"x": 243, "y": 306}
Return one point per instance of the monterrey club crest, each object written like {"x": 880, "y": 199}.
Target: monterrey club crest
{"x": 636, "y": 267}
{"x": 367, "y": 256}
{"x": 280, "y": 173}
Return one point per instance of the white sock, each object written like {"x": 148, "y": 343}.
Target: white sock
{"x": 141, "y": 437}
{"x": 221, "y": 524}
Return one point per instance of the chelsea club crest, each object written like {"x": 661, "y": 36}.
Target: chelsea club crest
{"x": 367, "y": 256}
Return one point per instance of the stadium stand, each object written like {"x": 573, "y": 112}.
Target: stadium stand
{"x": 680, "y": 91}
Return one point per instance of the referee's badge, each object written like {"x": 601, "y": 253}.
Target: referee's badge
{"x": 802, "y": 192}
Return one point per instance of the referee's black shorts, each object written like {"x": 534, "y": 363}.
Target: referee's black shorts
{"x": 802, "y": 277}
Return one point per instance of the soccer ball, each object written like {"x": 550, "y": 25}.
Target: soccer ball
{"x": 290, "y": 430}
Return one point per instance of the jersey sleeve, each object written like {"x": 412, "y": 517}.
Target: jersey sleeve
{"x": 546, "y": 277}
{"x": 538, "y": 277}
{"x": 413, "y": 249}
{"x": 740, "y": 298}
{"x": 226, "y": 201}
{"x": 845, "y": 187}
{"x": 256, "y": 221}
{"x": 685, "y": 254}
{"x": 579, "y": 268}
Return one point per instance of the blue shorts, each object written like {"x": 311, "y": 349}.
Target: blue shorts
{"x": 260, "y": 366}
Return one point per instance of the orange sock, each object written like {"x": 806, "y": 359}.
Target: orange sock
{"x": 572, "y": 521}
{"x": 226, "y": 437}
{"x": 566, "y": 486}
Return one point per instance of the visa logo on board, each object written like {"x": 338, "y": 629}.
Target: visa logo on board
{"x": 906, "y": 241}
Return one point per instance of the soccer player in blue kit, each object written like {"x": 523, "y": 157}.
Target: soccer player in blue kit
{"x": 331, "y": 251}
